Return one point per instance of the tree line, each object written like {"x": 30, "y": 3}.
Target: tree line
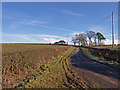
{"x": 88, "y": 38}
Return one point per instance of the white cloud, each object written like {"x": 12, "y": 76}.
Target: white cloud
{"x": 37, "y": 23}
{"x": 28, "y": 39}
{"x": 110, "y": 35}
{"x": 108, "y": 41}
{"x": 50, "y": 40}
{"x": 74, "y": 33}
{"x": 43, "y": 35}
{"x": 26, "y": 22}
{"x": 43, "y": 38}
{"x": 64, "y": 29}
{"x": 57, "y": 28}
{"x": 82, "y": 32}
{"x": 20, "y": 37}
{"x": 32, "y": 22}
{"x": 72, "y": 13}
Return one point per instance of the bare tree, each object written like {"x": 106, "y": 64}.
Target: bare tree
{"x": 90, "y": 34}
{"x": 74, "y": 40}
{"x": 77, "y": 38}
{"x": 95, "y": 39}
{"x": 81, "y": 39}
{"x": 100, "y": 37}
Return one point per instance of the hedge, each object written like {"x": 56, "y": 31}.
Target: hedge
{"x": 109, "y": 54}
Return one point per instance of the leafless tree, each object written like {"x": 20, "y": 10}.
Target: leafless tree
{"x": 90, "y": 34}
{"x": 74, "y": 40}
{"x": 81, "y": 39}
{"x": 100, "y": 37}
{"x": 95, "y": 39}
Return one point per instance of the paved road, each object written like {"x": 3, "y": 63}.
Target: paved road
{"x": 91, "y": 70}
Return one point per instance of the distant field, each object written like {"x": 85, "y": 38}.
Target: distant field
{"x": 20, "y": 47}
{"x": 19, "y": 61}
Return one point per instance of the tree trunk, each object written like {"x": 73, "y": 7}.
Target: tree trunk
{"x": 95, "y": 41}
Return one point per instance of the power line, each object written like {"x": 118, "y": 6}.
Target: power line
{"x": 103, "y": 20}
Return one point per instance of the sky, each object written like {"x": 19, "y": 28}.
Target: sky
{"x": 48, "y": 22}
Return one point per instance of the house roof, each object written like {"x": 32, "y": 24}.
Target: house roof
{"x": 62, "y": 41}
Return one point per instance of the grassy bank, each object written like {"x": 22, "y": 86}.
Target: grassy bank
{"x": 100, "y": 59}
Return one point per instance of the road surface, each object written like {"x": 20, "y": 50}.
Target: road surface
{"x": 91, "y": 71}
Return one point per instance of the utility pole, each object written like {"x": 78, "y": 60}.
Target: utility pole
{"x": 112, "y": 29}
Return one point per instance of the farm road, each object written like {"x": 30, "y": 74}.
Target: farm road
{"x": 90, "y": 70}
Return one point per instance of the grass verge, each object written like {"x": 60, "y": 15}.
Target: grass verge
{"x": 100, "y": 59}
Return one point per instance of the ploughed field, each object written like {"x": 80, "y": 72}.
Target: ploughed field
{"x": 21, "y": 61}
{"x": 53, "y": 66}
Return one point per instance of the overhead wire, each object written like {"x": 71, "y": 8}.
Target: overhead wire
{"x": 103, "y": 20}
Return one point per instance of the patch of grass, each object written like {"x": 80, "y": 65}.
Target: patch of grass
{"x": 100, "y": 59}
{"x": 89, "y": 54}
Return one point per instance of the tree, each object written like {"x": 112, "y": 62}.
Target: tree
{"x": 77, "y": 38}
{"x": 95, "y": 38}
{"x": 90, "y": 34}
{"x": 81, "y": 39}
{"x": 100, "y": 37}
{"x": 74, "y": 40}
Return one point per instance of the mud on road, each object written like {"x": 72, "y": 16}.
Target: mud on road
{"x": 92, "y": 72}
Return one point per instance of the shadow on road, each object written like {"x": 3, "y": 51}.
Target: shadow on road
{"x": 81, "y": 61}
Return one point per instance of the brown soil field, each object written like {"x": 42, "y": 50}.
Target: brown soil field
{"x": 19, "y": 61}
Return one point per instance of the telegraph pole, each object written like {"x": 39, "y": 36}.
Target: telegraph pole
{"x": 112, "y": 29}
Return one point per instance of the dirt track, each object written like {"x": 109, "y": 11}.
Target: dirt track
{"x": 91, "y": 71}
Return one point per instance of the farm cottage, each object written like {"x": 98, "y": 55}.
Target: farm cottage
{"x": 61, "y": 42}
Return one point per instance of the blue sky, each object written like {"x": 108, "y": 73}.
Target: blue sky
{"x": 47, "y": 22}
